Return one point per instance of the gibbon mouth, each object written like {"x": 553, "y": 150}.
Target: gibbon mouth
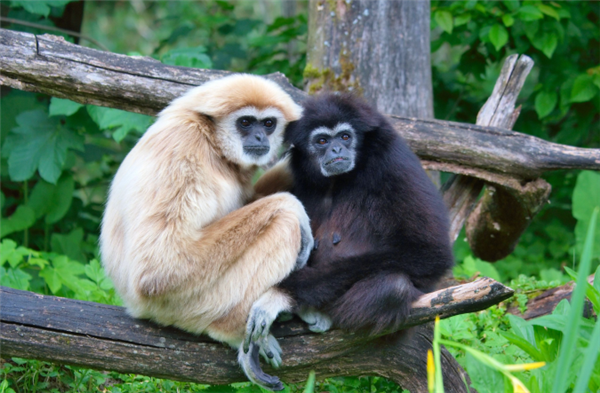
{"x": 337, "y": 159}
{"x": 256, "y": 150}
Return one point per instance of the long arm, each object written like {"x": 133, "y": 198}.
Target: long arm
{"x": 316, "y": 286}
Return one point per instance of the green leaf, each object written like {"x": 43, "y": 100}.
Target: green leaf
{"x": 39, "y": 200}
{"x": 545, "y": 102}
{"x": 40, "y": 143}
{"x": 21, "y": 219}
{"x": 13, "y": 104}
{"x": 52, "y": 200}
{"x": 60, "y": 200}
{"x": 526, "y": 346}
{"x": 549, "y": 42}
{"x": 546, "y": 9}
{"x": 508, "y": 20}
{"x": 512, "y": 5}
{"x": 59, "y": 106}
{"x": 586, "y": 197}
{"x": 444, "y": 19}
{"x": 14, "y": 278}
{"x": 52, "y": 279}
{"x": 94, "y": 271}
{"x": 529, "y": 13}
{"x": 39, "y": 7}
{"x": 195, "y": 57}
{"x": 462, "y": 19}
{"x": 68, "y": 271}
{"x": 9, "y": 252}
{"x": 121, "y": 122}
{"x": 583, "y": 88}
{"x": 69, "y": 244}
{"x": 483, "y": 378}
{"x": 498, "y": 36}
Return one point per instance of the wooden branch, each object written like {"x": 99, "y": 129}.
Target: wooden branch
{"x": 546, "y": 302}
{"x": 507, "y": 206}
{"x": 50, "y": 65}
{"x": 105, "y": 337}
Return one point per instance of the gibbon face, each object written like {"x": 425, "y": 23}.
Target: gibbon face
{"x": 250, "y": 135}
{"x": 249, "y": 114}
{"x": 333, "y": 150}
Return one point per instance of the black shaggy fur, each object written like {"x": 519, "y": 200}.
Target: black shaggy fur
{"x": 387, "y": 215}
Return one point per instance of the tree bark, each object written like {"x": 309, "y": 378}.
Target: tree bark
{"x": 379, "y": 48}
{"x": 104, "y": 337}
{"x": 507, "y": 207}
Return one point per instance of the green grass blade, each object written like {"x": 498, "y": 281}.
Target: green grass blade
{"x": 437, "y": 358}
{"x": 591, "y": 355}
{"x": 310, "y": 382}
{"x": 567, "y": 348}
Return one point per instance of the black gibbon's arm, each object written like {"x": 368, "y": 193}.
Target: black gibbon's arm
{"x": 318, "y": 286}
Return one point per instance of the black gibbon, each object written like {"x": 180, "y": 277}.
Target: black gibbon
{"x": 381, "y": 232}
{"x": 184, "y": 237}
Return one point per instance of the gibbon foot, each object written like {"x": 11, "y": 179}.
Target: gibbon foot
{"x": 271, "y": 351}
{"x": 263, "y": 313}
{"x": 317, "y": 321}
{"x": 251, "y": 366}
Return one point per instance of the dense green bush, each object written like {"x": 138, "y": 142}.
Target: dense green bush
{"x": 58, "y": 157}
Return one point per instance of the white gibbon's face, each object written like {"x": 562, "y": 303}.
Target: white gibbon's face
{"x": 251, "y": 136}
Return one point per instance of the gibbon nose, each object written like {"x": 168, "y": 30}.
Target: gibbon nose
{"x": 336, "y": 149}
{"x": 258, "y": 137}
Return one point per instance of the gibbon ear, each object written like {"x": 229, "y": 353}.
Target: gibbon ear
{"x": 370, "y": 118}
{"x": 290, "y": 135}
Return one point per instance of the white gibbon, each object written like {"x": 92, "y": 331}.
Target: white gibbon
{"x": 186, "y": 239}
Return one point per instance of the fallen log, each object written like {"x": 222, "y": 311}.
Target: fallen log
{"x": 104, "y": 337}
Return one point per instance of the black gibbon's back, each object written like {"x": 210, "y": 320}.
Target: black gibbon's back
{"x": 380, "y": 226}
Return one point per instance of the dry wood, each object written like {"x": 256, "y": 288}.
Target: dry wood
{"x": 48, "y": 64}
{"x": 105, "y": 337}
{"x": 507, "y": 206}
{"x": 461, "y": 192}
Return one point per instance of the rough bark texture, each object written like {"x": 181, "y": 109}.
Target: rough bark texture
{"x": 49, "y": 65}
{"x": 507, "y": 206}
{"x": 105, "y": 337}
{"x": 380, "y": 48}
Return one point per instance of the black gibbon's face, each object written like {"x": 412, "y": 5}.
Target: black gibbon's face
{"x": 255, "y": 134}
{"x": 333, "y": 149}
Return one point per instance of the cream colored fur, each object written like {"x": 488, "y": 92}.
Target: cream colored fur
{"x": 179, "y": 239}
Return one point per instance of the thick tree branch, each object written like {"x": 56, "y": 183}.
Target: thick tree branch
{"x": 105, "y": 337}
{"x": 50, "y": 65}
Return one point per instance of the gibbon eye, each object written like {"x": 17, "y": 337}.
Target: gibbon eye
{"x": 269, "y": 123}
{"x": 245, "y": 122}
{"x": 322, "y": 141}
{"x": 345, "y": 137}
